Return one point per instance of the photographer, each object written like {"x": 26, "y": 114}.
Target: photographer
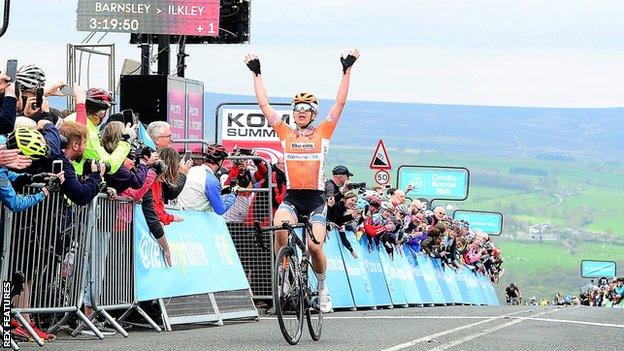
{"x": 98, "y": 101}
{"x": 125, "y": 178}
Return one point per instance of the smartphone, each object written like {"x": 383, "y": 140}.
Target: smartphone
{"x": 39, "y": 98}
{"x": 187, "y": 156}
{"x": 128, "y": 116}
{"x": 67, "y": 90}
{"x": 57, "y": 166}
{"x": 11, "y": 69}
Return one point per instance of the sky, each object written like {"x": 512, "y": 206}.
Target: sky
{"x": 504, "y": 53}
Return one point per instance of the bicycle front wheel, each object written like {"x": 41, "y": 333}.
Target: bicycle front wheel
{"x": 288, "y": 295}
{"x": 314, "y": 316}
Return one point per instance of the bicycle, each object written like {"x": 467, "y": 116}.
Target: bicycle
{"x": 292, "y": 293}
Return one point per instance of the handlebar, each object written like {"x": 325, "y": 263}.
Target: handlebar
{"x": 258, "y": 231}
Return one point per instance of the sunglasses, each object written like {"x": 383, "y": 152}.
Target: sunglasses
{"x": 303, "y": 107}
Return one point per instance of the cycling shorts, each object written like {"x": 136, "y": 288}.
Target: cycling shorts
{"x": 309, "y": 203}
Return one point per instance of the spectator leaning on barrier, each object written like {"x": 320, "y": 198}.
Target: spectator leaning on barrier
{"x": 160, "y": 132}
{"x": 344, "y": 211}
{"x": 202, "y": 190}
{"x": 171, "y": 160}
{"x": 84, "y": 189}
{"x": 336, "y": 187}
{"x": 19, "y": 141}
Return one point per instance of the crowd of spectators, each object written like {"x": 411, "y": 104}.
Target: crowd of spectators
{"x": 603, "y": 293}
{"x": 79, "y": 154}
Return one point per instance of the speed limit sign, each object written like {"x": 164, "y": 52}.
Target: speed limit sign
{"x": 382, "y": 177}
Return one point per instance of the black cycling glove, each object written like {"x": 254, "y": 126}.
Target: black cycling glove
{"x": 254, "y": 66}
{"x": 54, "y": 184}
{"x": 347, "y": 62}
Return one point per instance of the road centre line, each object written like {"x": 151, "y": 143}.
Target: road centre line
{"x": 450, "y": 331}
{"x": 476, "y": 335}
{"x": 399, "y": 317}
{"x": 571, "y": 322}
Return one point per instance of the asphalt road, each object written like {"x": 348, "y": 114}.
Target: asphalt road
{"x": 430, "y": 328}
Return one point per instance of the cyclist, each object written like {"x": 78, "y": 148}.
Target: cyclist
{"x": 305, "y": 150}
{"x": 512, "y": 294}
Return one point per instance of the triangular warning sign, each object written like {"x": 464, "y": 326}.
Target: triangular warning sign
{"x": 380, "y": 157}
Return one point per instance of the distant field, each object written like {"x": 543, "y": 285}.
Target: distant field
{"x": 541, "y": 269}
{"x": 592, "y": 194}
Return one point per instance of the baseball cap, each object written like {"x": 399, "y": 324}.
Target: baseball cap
{"x": 340, "y": 169}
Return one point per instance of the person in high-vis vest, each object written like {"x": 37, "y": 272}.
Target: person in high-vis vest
{"x": 98, "y": 102}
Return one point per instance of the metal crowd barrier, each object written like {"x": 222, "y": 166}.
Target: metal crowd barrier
{"x": 46, "y": 245}
{"x": 111, "y": 275}
{"x": 252, "y": 205}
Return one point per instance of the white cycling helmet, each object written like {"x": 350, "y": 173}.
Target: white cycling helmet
{"x": 30, "y": 77}
{"x": 386, "y": 205}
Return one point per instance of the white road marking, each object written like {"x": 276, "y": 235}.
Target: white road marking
{"x": 449, "y": 331}
{"x": 572, "y": 322}
{"x": 476, "y": 335}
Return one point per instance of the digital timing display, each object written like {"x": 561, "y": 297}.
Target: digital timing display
{"x": 181, "y": 17}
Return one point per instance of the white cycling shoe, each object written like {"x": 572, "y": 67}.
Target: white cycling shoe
{"x": 325, "y": 303}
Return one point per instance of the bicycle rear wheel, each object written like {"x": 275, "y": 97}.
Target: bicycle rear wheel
{"x": 288, "y": 295}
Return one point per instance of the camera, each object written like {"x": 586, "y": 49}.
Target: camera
{"x": 352, "y": 186}
{"x": 86, "y": 168}
{"x": 246, "y": 152}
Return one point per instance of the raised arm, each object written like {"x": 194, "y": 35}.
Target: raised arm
{"x": 253, "y": 62}
{"x": 343, "y": 90}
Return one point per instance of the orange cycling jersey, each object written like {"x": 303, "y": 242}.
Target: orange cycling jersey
{"x": 305, "y": 152}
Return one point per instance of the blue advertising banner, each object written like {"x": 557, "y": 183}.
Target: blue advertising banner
{"x": 463, "y": 287}
{"x": 419, "y": 278}
{"x": 474, "y": 289}
{"x": 393, "y": 280}
{"x": 403, "y": 268}
{"x": 451, "y": 281}
{"x": 359, "y": 280}
{"x": 598, "y": 269}
{"x": 429, "y": 273}
{"x": 204, "y": 260}
{"x": 336, "y": 280}
{"x": 439, "y": 273}
{"x": 440, "y": 183}
{"x": 375, "y": 273}
{"x": 489, "y": 222}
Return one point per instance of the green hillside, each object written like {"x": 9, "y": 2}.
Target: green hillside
{"x": 581, "y": 201}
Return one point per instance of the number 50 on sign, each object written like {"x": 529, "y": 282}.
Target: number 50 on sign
{"x": 382, "y": 177}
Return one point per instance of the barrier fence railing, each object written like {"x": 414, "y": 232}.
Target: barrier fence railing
{"x": 44, "y": 255}
{"x": 110, "y": 278}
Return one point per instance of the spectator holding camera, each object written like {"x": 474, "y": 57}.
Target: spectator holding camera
{"x": 335, "y": 188}
{"x": 97, "y": 103}
{"x": 125, "y": 178}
